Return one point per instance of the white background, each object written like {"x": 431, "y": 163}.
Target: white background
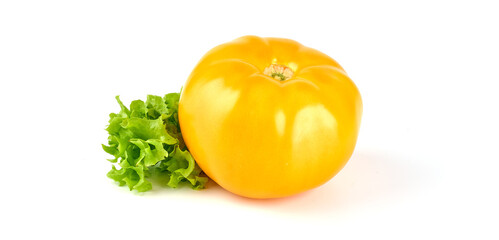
{"x": 426, "y": 163}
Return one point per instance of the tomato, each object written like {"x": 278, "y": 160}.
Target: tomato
{"x": 269, "y": 117}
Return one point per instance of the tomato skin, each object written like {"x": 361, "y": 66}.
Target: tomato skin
{"x": 260, "y": 137}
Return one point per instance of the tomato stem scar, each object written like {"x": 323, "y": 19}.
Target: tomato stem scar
{"x": 279, "y": 72}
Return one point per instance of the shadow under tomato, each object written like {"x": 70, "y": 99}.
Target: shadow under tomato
{"x": 370, "y": 178}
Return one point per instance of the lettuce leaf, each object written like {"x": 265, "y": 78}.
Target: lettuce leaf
{"x": 147, "y": 143}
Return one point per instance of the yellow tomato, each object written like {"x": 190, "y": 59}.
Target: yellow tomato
{"x": 269, "y": 117}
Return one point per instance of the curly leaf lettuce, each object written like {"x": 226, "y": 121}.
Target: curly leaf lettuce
{"x": 146, "y": 143}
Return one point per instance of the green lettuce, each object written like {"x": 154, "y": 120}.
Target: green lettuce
{"x": 147, "y": 144}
